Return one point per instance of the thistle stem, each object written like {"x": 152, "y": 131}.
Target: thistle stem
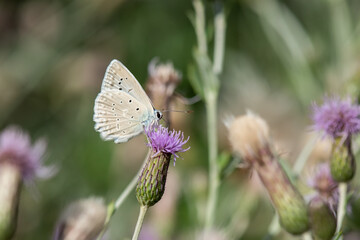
{"x": 131, "y": 185}
{"x": 120, "y": 200}
{"x": 274, "y": 227}
{"x": 307, "y": 236}
{"x": 129, "y": 188}
{"x": 200, "y": 25}
{"x": 304, "y": 156}
{"x": 213, "y": 167}
{"x": 219, "y": 42}
{"x": 211, "y": 107}
{"x": 341, "y": 209}
{"x": 143, "y": 210}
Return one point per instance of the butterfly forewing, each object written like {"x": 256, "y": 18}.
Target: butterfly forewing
{"x": 119, "y": 116}
{"x": 118, "y": 77}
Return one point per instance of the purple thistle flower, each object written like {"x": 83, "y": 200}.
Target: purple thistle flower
{"x": 16, "y": 148}
{"x": 322, "y": 179}
{"x": 160, "y": 139}
{"x": 336, "y": 117}
{"x": 324, "y": 184}
{"x": 164, "y": 143}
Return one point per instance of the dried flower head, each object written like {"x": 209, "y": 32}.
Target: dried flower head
{"x": 16, "y": 148}
{"x": 323, "y": 182}
{"x": 165, "y": 141}
{"x": 249, "y": 135}
{"x": 336, "y": 117}
{"x": 161, "y": 84}
{"x": 163, "y": 75}
{"x": 82, "y": 220}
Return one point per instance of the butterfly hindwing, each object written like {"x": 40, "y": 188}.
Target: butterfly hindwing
{"x": 119, "y": 116}
{"x": 118, "y": 77}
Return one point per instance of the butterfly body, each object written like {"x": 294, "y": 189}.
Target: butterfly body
{"x": 122, "y": 108}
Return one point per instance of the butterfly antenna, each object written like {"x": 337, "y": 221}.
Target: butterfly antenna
{"x": 180, "y": 111}
{"x": 167, "y": 122}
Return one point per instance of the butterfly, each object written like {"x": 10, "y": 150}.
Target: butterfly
{"x": 122, "y": 109}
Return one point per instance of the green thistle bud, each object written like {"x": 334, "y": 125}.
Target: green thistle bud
{"x": 342, "y": 162}
{"x": 82, "y": 220}
{"x": 292, "y": 213}
{"x": 151, "y": 183}
{"x": 323, "y": 220}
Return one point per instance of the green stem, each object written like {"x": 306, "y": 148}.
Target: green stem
{"x": 200, "y": 25}
{"x": 120, "y": 200}
{"x": 341, "y": 29}
{"x": 211, "y": 94}
{"x": 274, "y": 227}
{"x": 219, "y": 42}
{"x": 304, "y": 156}
{"x": 131, "y": 185}
{"x": 307, "y": 236}
{"x": 341, "y": 209}
{"x": 211, "y": 107}
{"x": 143, "y": 210}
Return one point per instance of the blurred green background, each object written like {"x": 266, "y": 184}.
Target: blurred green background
{"x": 280, "y": 56}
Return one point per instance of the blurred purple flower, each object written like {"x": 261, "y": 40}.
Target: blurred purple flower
{"x": 325, "y": 186}
{"x": 336, "y": 117}
{"x": 16, "y": 148}
{"x": 148, "y": 233}
{"x": 165, "y": 141}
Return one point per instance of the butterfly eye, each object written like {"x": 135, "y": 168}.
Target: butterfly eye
{"x": 158, "y": 115}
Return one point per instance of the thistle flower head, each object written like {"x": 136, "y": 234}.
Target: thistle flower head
{"x": 323, "y": 182}
{"x": 161, "y": 85}
{"x": 152, "y": 180}
{"x": 16, "y": 148}
{"x": 248, "y": 135}
{"x": 163, "y": 73}
{"x": 336, "y": 117}
{"x": 161, "y": 140}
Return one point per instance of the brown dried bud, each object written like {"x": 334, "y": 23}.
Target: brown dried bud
{"x": 249, "y": 136}
{"x": 82, "y": 220}
{"x": 161, "y": 84}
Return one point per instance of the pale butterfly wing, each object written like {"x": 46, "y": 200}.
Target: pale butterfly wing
{"x": 118, "y": 77}
{"x": 119, "y": 116}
